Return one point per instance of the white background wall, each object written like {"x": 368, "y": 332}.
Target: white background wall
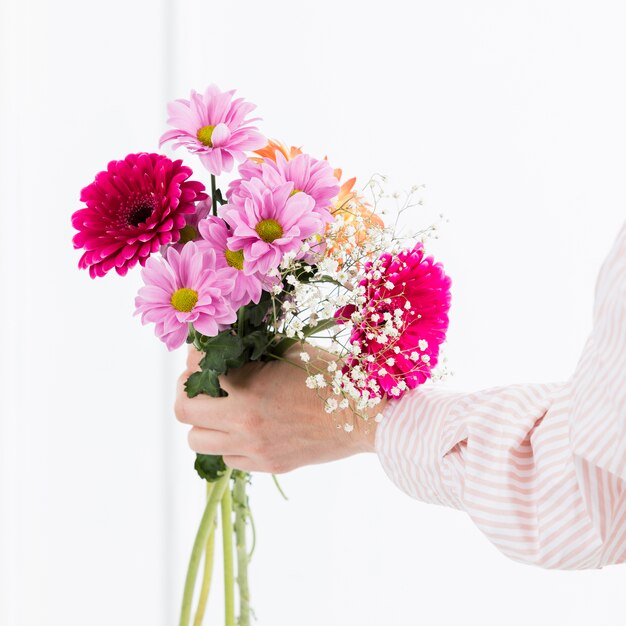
{"x": 512, "y": 113}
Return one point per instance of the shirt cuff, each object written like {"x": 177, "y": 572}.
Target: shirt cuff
{"x": 412, "y": 440}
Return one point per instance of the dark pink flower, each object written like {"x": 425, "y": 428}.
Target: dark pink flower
{"x": 402, "y": 322}
{"x": 134, "y": 207}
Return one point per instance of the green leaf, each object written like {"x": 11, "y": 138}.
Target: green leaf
{"x": 255, "y": 313}
{"x": 191, "y": 334}
{"x": 209, "y": 466}
{"x": 207, "y": 382}
{"x": 319, "y": 327}
{"x": 219, "y": 198}
{"x": 222, "y": 351}
{"x": 283, "y": 345}
{"x": 257, "y": 341}
{"x": 305, "y": 273}
{"x": 327, "y": 279}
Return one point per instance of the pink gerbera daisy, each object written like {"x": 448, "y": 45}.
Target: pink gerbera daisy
{"x": 133, "y": 208}
{"x": 246, "y": 288}
{"x": 309, "y": 176}
{"x": 402, "y": 323}
{"x": 270, "y": 223}
{"x": 184, "y": 289}
{"x": 213, "y": 126}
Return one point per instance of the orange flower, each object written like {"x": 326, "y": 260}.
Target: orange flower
{"x": 274, "y": 146}
{"x": 350, "y": 206}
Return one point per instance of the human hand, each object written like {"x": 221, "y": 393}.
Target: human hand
{"x": 270, "y": 421}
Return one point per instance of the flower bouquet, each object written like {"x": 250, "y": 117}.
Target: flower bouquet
{"x": 286, "y": 254}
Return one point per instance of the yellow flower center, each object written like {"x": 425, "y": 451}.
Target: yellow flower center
{"x": 269, "y": 230}
{"x": 234, "y": 258}
{"x": 187, "y": 233}
{"x": 294, "y": 192}
{"x": 184, "y": 299}
{"x": 205, "y": 134}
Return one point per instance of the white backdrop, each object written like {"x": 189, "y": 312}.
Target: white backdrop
{"x": 512, "y": 114}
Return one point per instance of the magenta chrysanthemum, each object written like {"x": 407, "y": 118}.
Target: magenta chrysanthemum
{"x": 214, "y": 126}
{"x": 186, "y": 288}
{"x": 134, "y": 207}
{"x": 246, "y": 288}
{"x": 401, "y": 324}
{"x": 270, "y": 223}
{"x": 309, "y": 176}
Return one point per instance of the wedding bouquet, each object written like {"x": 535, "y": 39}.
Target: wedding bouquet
{"x": 287, "y": 254}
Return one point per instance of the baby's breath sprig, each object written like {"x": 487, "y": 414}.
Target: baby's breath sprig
{"x": 314, "y": 287}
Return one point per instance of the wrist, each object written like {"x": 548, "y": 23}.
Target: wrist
{"x": 367, "y": 437}
{"x": 363, "y": 436}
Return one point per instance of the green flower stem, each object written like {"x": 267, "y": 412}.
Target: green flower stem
{"x": 241, "y": 321}
{"x": 286, "y": 342}
{"x": 206, "y": 523}
{"x": 253, "y": 528}
{"x": 240, "y": 501}
{"x": 213, "y": 193}
{"x": 227, "y": 544}
{"x": 280, "y": 489}
{"x": 208, "y": 568}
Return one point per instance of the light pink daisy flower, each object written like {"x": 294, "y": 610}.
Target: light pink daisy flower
{"x": 247, "y": 171}
{"x": 186, "y": 288}
{"x": 246, "y": 288}
{"x": 269, "y": 223}
{"x": 310, "y": 176}
{"x": 190, "y": 232}
{"x": 213, "y": 126}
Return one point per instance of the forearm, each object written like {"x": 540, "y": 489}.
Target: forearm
{"x": 505, "y": 456}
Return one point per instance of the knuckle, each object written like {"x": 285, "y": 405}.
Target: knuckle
{"x": 182, "y": 379}
{"x": 180, "y": 409}
{"x": 192, "y": 439}
{"x": 260, "y": 448}
{"x": 251, "y": 421}
{"x": 194, "y": 357}
{"x": 239, "y": 463}
{"x": 277, "y": 467}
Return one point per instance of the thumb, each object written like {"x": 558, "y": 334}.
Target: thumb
{"x": 194, "y": 357}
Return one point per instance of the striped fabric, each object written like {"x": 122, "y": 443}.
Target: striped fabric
{"x": 540, "y": 468}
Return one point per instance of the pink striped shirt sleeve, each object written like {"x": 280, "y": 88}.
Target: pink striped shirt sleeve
{"x": 540, "y": 468}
